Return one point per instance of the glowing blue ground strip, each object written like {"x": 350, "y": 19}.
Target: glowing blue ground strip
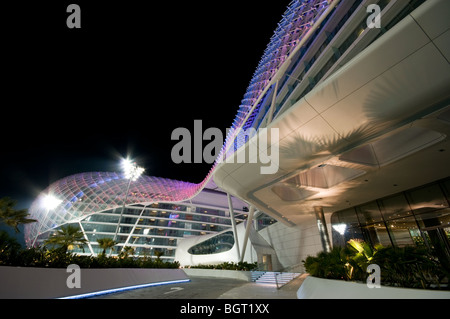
{"x": 110, "y": 291}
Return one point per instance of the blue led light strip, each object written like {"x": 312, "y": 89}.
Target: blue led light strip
{"x": 121, "y": 289}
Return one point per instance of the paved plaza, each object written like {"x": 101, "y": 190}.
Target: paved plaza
{"x": 212, "y": 288}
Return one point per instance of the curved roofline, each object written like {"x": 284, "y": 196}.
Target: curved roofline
{"x": 296, "y": 26}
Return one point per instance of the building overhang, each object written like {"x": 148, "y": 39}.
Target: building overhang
{"x": 377, "y": 126}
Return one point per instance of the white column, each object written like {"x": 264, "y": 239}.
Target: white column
{"x": 322, "y": 226}
{"x": 247, "y": 231}
{"x": 134, "y": 227}
{"x": 86, "y": 237}
{"x": 233, "y": 224}
{"x": 272, "y": 106}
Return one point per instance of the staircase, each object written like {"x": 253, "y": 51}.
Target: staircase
{"x": 277, "y": 279}
{"x": 255, "y": 275}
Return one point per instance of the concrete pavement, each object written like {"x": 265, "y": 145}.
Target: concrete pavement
{"x": 253, "y": 290}
{"x": 212, "y": 288}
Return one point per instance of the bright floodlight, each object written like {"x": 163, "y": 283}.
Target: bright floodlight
{"x": 131, "y": 170}
{"x": 50, "y": 201}
{"x": 340, "y": 228}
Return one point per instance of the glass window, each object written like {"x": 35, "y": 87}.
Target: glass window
{"x": 404, "y": 231}
{"x": 395, "y": 207}
{"x": 433, "y": 220}
{"x": 446, "y": 185}
{"x": 347, "y": 217}
{"x": 376, "y": 234}
{"x": 427, "y": 199}
{"x": 264, "y": 221}
{"x": 369, "y": 213}
{"x": 214, "y": 245}
{"x": 345, "y": 226}
{"x": 341, "y": 234}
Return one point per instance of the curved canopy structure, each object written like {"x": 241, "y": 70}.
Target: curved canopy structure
{"x": 88, "y": 193}
{"x": 360, "y": 116}
{"x": 75, "y": 197}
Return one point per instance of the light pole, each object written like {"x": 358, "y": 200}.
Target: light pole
{"x": 131, "y": 172}
{"x": 48, "y": 202}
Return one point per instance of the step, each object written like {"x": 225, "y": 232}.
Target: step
{"x": 270, "y": 277}
{"x": 256, "y": 275}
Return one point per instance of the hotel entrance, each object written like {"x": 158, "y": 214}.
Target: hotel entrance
{"x": 437, "y": 240}
{"x": 419, "y": 216}
{"x": 267, "y": 262}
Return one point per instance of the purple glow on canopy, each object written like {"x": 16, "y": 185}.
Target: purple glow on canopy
{"x": 88, "y": 193}
{"x": 295, "y": 24}
{"x": 83, "y": 194}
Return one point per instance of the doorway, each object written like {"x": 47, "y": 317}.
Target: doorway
{"x": 437, "y": 238}
{"x": 267, "y": 262}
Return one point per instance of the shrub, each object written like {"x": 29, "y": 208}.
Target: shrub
{"x": 411, "y": 267}
{"x": 11, "y": 255}
{"x": 245, "y": 266}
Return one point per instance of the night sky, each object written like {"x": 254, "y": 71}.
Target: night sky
{"x": 75, "y": 100}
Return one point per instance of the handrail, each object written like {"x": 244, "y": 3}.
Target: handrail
{"x": 283, "y": 284}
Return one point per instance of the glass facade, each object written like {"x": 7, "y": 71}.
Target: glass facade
{"x": 419, "y": 216}
{"x": 214, "y": 245}
{"x": 263, "y": 221}
{"x": 302, "y": 77}
{"x": 150, "y": 218}
{"x": 155, "y": 227}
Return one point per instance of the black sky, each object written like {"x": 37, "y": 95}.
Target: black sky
{"x": 74, "y": 100}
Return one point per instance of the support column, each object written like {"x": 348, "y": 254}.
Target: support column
{"x": 323, "y": 231}
{"x": 233, "y": 224}
{"x": 134, "y": 228}
{"x": 272, "y": 106}
{"x": 121, "y": 211}
{"x": 86, "y": 237}
{"x": 247, "y": 231}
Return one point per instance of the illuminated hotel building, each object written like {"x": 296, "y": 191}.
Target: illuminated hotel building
{"x": 363, "y": 118}
{"x": 149, "y": 222}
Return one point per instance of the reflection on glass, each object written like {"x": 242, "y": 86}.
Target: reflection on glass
{"x": 431, "y": 220}
{"x": 377, "y": 234}
{"x": 348, "y": 217}
{"x": 263, "y": 221}
{"x": 341, "y": 236}
{"x": 427, "y": 199}
{"x": 395, "y": 207}
{"x": 217, "y": 244}
{"x": 369, "y": 213}
{"x": 416, "y": 217}
{"x": 404, "y": 231}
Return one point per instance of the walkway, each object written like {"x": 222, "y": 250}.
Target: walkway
{"x": 253, "y": 290}
{"x": 212, "y": 288}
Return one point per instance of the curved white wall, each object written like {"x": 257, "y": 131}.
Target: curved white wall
{"x": 400, "y": 78}
{"x": 319, "y": 288}
{"x": 186, "y": 259}
{"x": 44, "y": 283}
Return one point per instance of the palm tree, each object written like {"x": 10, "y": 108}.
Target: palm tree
{"x": 66, "y": 237}
{"x": 106, "y": 243}
{"x": 158, "y": 254}
{"x": 127, "y": 250}
{"x": 11, "y": 217}
{"x": 9, "y": 248}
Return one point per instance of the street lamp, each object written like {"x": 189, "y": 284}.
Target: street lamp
{"x": 48, "y": 202}
{"x": 131, "y": 172}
